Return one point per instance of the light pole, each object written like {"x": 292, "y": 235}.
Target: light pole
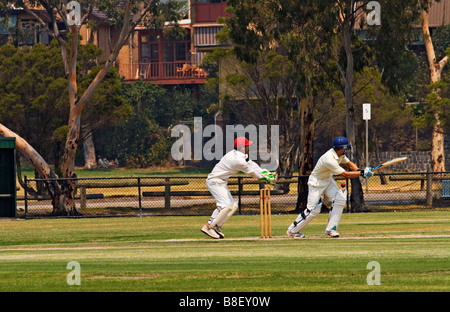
{"x": 366, "y": 117}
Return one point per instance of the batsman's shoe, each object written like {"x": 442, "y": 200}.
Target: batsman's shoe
{"x": 219, "y": 231}
{"x": 295, "y": 235}
{"x": 210, "y": 232}
{"x": 332, "y": 233}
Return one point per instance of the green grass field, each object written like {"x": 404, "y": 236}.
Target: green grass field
{"x": 170, "y": 254}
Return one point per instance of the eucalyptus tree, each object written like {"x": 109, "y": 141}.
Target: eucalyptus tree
{"x": 125, "y": 15}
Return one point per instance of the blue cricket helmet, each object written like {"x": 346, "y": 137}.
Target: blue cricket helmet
{"x": 341, "y": 142}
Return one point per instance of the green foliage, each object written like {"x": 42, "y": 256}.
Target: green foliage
{"x": 434, "y": 98}
{"x": 290, "y": 38}
{"x": 391, "y": 121}
{"x": 388, "y": 41}
{"x": 392, "y": 124}
{"x": 136, "y": 142}
{"x": 106, "y": 105}
{"x": 144, "y": 139}
{"x": 32, "y": 93}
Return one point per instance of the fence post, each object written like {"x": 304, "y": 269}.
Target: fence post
{"x": 26, "y": 195}
{"x": 429, "y": 189}
{"x": 139, "y": 191}
{"x": 347, "y": 200}
{"x": 82, "y": 197}
{"x": 239, "y": 193}
{"x": 167, "y": 194}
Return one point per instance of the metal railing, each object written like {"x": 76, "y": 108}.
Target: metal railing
{"x": 163, "y": 70}
{"x": 188, "y": 195}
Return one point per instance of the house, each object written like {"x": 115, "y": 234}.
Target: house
{"x": 156, "y": 57}
{"x": 24, "y": 29}
{"x": 149, "y": 55}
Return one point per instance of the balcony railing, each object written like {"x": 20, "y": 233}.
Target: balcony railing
{"x": 154, "y": 71}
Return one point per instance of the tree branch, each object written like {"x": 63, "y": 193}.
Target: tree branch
{"x": 29, "y": 153}
{"x": 443, "y": 62}
{"x": 363, "y": 87}
{"x": 124, "y": 34}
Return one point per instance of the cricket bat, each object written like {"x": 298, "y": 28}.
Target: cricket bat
{"x": 389, "y": 163}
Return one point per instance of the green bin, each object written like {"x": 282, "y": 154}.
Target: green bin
{"x": 8, "y": 189}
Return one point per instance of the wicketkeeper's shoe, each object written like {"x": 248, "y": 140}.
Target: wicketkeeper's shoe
{"x": 332, "y": 233}
{"x": 219, "y": 231}
{"x": 295, "y": 235}
{"x": 210, "y": 232}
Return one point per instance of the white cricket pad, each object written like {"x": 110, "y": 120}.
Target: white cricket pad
{"x": 336, "y": 210}
{"x": 304, "y": 218}
{"x": 224, "y": 215}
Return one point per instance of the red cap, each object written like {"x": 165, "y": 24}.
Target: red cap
{"x": 241, "y": 141}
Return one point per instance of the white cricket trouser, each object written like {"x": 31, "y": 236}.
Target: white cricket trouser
{"x": 317, "y": 188}
{"x": 219, "y": 190}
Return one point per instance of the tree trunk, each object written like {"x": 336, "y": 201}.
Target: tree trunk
{"x": 35, "y": 159}
{"x": 62, "y": 193}
{"x": 357, "y": 195}
{"x": 65, "y": 205}
{"x": 348, "y": 91}
{"x": 306, "y": 154}
{"x": 90, "y": 160}
{"x": 437, "y": 146}
{"x": 377, "y": 156}
{"x": 356, "y": 198}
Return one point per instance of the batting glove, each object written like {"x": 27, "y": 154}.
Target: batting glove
{"x": 367, "y": 173}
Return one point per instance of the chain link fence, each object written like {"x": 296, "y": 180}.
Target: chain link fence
{"x": 188, "y": 195}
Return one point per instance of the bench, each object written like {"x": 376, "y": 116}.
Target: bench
{"x": 167, "y": 183}
{"x": 241, "y": 181}
{"x": 83, "y": 184}
{"x": 429, "y": 178}
{"x": 422, "y": 179}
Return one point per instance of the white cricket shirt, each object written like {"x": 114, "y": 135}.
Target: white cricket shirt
{"x": 329, "y": 165}
{"x": 231, "y": 164}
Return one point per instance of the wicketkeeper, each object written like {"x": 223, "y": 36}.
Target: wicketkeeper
{"x": 321, "y": 182}
{"x": 231, "y": 163}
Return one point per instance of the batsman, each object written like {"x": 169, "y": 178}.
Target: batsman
{"x": 231, "y": 163}
{"x": 321, "y": 182}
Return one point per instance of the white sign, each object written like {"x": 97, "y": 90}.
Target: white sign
{"x": 366, "y": 111}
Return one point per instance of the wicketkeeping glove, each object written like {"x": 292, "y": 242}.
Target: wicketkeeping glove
{"x": 268, "y": 177}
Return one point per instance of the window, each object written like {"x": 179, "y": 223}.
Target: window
{"x": 177, "y": 50}
{"x": 149, "y": 48}
{"x": 172, "y": 49}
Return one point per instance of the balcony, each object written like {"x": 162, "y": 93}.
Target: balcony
{"x": 165, "y": 73}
